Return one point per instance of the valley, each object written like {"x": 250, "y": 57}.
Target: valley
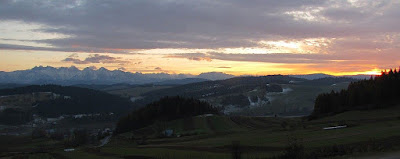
{"x": 252, "y": 96}
{"x": 261, "y": 116}
{"x": 199, "y": 79}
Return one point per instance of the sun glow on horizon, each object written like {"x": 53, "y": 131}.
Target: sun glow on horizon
{"x": 375, "y": 71}
{"x": 372, "y": 72}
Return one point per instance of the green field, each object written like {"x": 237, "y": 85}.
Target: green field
{"x": 261, "y": 136}
{"x": 212, "y": 137}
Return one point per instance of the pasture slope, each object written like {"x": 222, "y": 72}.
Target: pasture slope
{"x": 377, "y": 131}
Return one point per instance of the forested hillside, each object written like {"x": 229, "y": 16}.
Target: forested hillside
{"x": 166, "y": 109}
{"x": 381, "y": 91}
{"x": 214, "y": 89}
{"x": 70, "y": 100}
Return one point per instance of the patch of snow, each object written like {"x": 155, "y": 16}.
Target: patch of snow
{"x": 208, "y": 94}
{"x": 52, "y": 119}
{"x": 79, "y": 116}
{"x": 291, "y": 82}
{"x": 254, "y": 90}
{"x": 230, "y": 109}
{"x": 257, "y": 103}
{"x": 271, "y": 95}
{"x": 69, "y": 150}
{"x": 286, "y": 90}
{"x": 105, "y": 141}
{"x": 205, "y": 115}
{"x": 133, "y": 99}
{"x": 251, "y": 102}
{"x": 335, "y": 127}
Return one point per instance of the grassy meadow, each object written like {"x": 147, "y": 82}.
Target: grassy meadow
{"x": 212, "y": 137}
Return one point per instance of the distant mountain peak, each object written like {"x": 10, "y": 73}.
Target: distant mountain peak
{"x": 89, "y": 69}
{"x": 73, "y": 68}
{"x": 312, "y": 76}
{"x": 102, "y": 69}
{"x": 90, "y": 75}
{"x": 215, "y": 75}
{"x": 42, "y": 67}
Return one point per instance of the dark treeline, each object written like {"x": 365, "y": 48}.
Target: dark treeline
{"x": 81, "y": 100}
{"x": 381, "y": 91}
{"x": 239, "y": 99}
{"x": 14, "y": 116}
{"x": 166, "y": 109}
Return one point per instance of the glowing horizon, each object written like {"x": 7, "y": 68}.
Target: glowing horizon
{"x": 239, "y": 38}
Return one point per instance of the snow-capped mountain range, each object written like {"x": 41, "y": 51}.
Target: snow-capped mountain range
{"x": 72, "y": 75}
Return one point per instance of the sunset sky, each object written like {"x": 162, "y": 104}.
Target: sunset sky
{"x": 240, "y": 37}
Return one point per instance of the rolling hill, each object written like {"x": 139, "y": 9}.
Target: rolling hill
{"x": 54, "y": 101}
{"x": 374, "y": 93}
{"x": 257, "y": 96}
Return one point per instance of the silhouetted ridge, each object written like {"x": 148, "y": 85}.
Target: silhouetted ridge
{"x": 72, "y": 100}
{"x": 166, "y": 109}
{"x": 381, "y": 91}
